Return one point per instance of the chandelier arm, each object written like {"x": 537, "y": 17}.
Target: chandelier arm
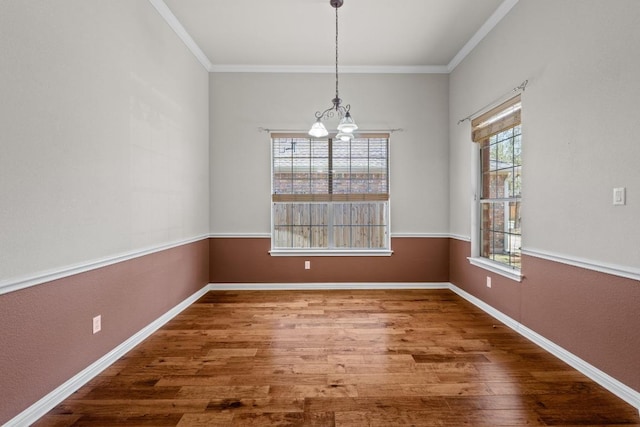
{"x": 328, "y": 113}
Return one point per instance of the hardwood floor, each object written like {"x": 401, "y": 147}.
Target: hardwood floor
{"x": 338, "y": 358}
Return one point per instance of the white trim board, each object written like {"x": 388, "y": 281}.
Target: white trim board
{"x": 41, "y": 407}
{"x": 15, "y": 284}
{"x": 330, "y": 69}
{"x": 422, "y": 235}
{"x": 485, "y": 29}
{"x": 324, "y": 286}
{"x": 239, "y": 235}
{"x": 182, "y": 33}
{"x": 601, "y": 267}
{"x": 399, "y": 234}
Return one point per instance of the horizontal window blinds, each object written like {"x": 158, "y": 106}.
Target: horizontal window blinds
{"x": 330, "y": 170}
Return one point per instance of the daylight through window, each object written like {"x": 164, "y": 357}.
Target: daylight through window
{"x": 499, "y": 134}
{"x": 330, "y": 194}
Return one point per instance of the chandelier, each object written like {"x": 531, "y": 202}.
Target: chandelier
{"x": 347, "y": 125}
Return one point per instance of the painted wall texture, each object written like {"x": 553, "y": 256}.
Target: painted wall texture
{"x": 240, "y": 154}
{"x": 104, "y": 119}
{"x": 579, "y": 114}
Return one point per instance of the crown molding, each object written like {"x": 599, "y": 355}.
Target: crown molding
{"x": 182, "y": 33}
{"x": 330, "y": 69}
{"x": 485, "y": 29}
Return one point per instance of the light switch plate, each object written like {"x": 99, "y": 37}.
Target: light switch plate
{"x": 619, "y": 196}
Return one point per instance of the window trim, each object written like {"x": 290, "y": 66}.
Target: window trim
{"x": 333, "y": 198}
{"x": 476, "y": 203}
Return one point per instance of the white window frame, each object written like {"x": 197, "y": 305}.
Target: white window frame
{"x": 387, "y": 251}
{"x": 476, "y": 216}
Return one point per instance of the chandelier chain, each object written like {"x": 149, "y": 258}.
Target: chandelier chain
{"x": 337, "y": 95}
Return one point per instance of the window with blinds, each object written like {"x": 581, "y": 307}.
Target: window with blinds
{"x": 498, "y": 133}
{"x": 329, "y": 194}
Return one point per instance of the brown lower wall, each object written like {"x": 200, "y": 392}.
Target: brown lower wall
{"x": 591, "y": 314}
{"x": 247, "y": 260}
{"x": 46, "y": 334}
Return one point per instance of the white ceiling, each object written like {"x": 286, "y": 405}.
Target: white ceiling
{"x": 423, "y": 35}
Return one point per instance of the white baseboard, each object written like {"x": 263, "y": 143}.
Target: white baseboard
{"x": 48, "y": 402}
{"x": 621, "y": 390}
{"x": 44, "y": 405}
{"x": 323, "y": 286}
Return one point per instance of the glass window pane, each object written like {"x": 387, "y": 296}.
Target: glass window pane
{"x": 282, "y": 186}
{"x": 341, "y": 213}
{"x": 341, "y": 186}
{"x": 281, "y": 214}
{"x": 359, "y": 186}
{"x": 320, "y": 185}
{"x": 320, "y": 149}
{"x": 360, "y": 214}
{"x": 514, "y": 218}
{"x": 341, "y": 236}
{"x": 360, "y": 237}
{"x": 282, "y": 237}
{"x": 517, "y": 150}
{"x": 378, "y": 148}
{"x": 319, "y": 213}
{"x": 301, "y": 236}
{"x": 300, "y": 186}
{"x": 341, "y": 166}
{"x": 320, "y": 165}
{"x": 359, "y": 148}
{"x": 319, "y": 237}
{"x": 282, "y": 165}
{"x": 282, "y": 147}
{"x": 304, "y": 166}
{"x": 301, "y": 214}
{"x": 301, "y": 148}
{"x": 378, "y": 237}
{"x": 340, "y": 149}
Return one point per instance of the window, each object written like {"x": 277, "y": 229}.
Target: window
{"x": 499, "y": 137}
{"x": 330, "y": 195}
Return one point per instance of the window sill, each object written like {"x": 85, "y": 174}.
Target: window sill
{"x": 328, "y": 252}
{"x": 497, "y": 268}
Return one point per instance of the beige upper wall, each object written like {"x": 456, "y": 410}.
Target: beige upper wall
{"x": 580, "y": 115}
{"x": 104, "y": 142}
{"x": 240, "y": 154}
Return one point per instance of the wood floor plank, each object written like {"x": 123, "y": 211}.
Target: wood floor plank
{"x": 338, "y": 358}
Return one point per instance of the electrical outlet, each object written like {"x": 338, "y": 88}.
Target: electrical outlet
{"x": 307, "y": 265}
{"x": 97, "y": 324}
{"x": 488, "y": 282}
